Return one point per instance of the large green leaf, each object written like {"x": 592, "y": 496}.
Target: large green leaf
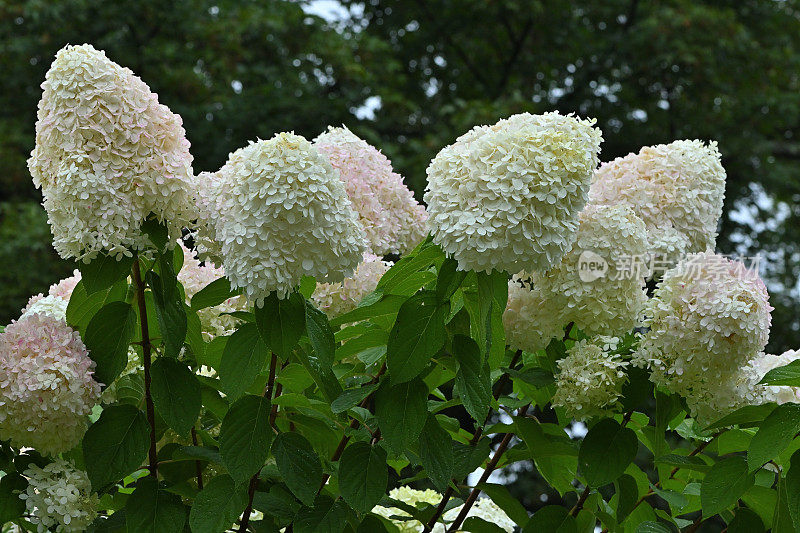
{"x": 176, "y": 394}
{"x": 170, "y": 308}
{"x": 116, "y": 444}
{"x": 327, "y": 516}
{"x": 746, "y": 521}
{"x": 606, "y": 452}
{"x": 627, "y": 494}
{"x": 418, "y": 335}
{"x": 473, "y": 383}
{"x": 319, "y": 360}
{"x": 245, "y": 436}
{"x": 107, "y": 338}
{"x": 788, "y": 375}
{"x": 218, "y": 505}
{"x": 281, "y": 322}
{"x": 774, "y": 435}
{"x": 793, "y": 489}
{"x": 552, "y": 519}
{"x": 151, "y": 510}
{"x": 352, "y": 397}
{"x": 436, "y": 453}
{"x": 363, "y": 475}
{"x": 11, "y": 506}
{"x": 103, "y": 271}
{"x": 243, "y": 358}
{"x": 83, "y": 306}
{"x": 212, "y": 294}
{"x": 724, "y": 484}
{"x": 299, "y": 465}
{"x": 449, "y": 279}
{"x": 401, "y": 411}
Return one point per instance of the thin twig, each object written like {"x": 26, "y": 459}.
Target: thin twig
{"x": 197, "y": 464}
{"x": 579, "y": 505}
{"x": 146, "y": 362}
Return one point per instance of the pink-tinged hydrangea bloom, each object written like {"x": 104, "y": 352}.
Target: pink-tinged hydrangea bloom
{"x": 280, "y": 213}
{"x": 709, "y": 318}
{"x": 46, "y": 385}
{"x": 63, "y": 289}
{"x": 107, "y": 155}
{"x": 590, "y": 378}
{"x": 595, "y": 285}
{"x": 507, "y": 196}
{"x": 680, "y": 185}
{"x": 393, "y": 221}
{"x": 59, "y": 497}
{"x": 194, "y": 277}
{"x": 336, "y": 299}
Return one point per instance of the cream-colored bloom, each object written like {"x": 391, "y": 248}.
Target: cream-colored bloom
{"x": 107, "y": 155}
{"x": 59, "y": 497}
{"x": 507, "y": 196}
{"x": 54, "y": 306}
{"x": 411, "y": 497}
{"x": 485, "y": 509}
{"x": 280, "y": 212}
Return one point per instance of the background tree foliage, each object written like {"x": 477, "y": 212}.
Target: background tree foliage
{"x": 650, "y": 72}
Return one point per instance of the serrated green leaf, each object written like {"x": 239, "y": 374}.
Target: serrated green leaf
{"x": 107, "y": 338}
{"x": 281, "y": 322}
{"x": 352, "y": 397}
{"x": 299, "y": 465}
{"x": 551, "y": 518}
{"x": 401, "y": 411}
{"x": 245, "y": 436}
{"x": 212, "y": 294}
{"x": 151, "y": 510}
{"x": 724, "y": 484}
{"x": 218, "y": 505}
{"x": 103, "y": 272}
{"x": 244, "y": 357}
{"x": 436, "y": 453}
{"x": 176, "y": 394}
{"x": 774, "y": 435}
{"x": 418, "y": 335}
{"x": 363, "y": 475}
{"x": 116, "y": 444}
{"x": 606, "y": 452}
{"x": 473, "y": 383}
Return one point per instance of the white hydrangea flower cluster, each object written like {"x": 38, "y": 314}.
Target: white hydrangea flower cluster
{"x": 107, "y": 155}
{"x": 336, "y": 299}
{"x": 54, "y": 306}
{"x": 281, "y": 213}
{"x": 709, "y": 318}
{"x": 393, "y": 221}
{"x": 63, "y": 289}
{"x": 507, "y": 196}
{"x": 46, "y": 385}
{"x": 680, "y": 185}
{"x": 194, "y": 277}
{"x": 59, "y": 497}
{"x": 607, "y": 298}
{"x": 483, "y": 508}
{"x": 590, "y": 378}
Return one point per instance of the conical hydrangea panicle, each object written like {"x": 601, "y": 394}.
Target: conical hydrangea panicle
{"x": 590, "y": 378}
{"x": 507, "y": 196}
{"x": 680, "y": 185}
{"x": 393, "y": 221}
{"x": 599, "y": 285}
{"x": 107, "y": 155}
{"x": 708, "y": 319}
{"x": 59, "y": 497}
{"x": 46, "y": 385}
{"x": 336, "y": 299}
{"x": 280, "y": 213}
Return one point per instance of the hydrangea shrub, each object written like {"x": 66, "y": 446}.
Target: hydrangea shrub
{"x": 293, "y": 343}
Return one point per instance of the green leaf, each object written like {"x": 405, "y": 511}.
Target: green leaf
{"x": 11, "y": 506}
{"x": 651, "y": 526}
{"x": 363, "y": 475}
{"x": 449, "y": 279}
{"x": 781, "y": 518}
{"x": 217, "y": 506}
{"x": 327, "y": 516}
{"x": 115, "y": 445}
{"x": 508, "y": 503}
{"x": 473, "y": 383}
{"x": 552, "y": 519}
{"x": 157, "y": 232}
{"x": 606, "y": 452}
{"x": 746, "y": 521}
{"x": 436, "y": 453}
{"x": 684, "y": 462}
{"x": 744, "y": 416}
{"x": 543, "y": 444}
{"x": 793, "y": 488}
{"x": 149, "y": 509}
{"x": 212, "y": 294}
{"x": 243, "y": 358}
{"x": 103, "y": 271}
{"x": 724, "y": 484}
{"x": 474, "y": 524}
{"x": 351, "y": 398}
{"x": 107, "y": 338}
{"x": 245, "y": 436}
{"x": 281, "y": 322}
{"x": 318, "y": 363}
{"x": 418, "y": 335}
{"x": 170, "y": 308}
{"x": 401, "y": 411}
{"x": 299, "y": 465}
{"x": 386, "y": 305}
{"x": 82, "y": 306}
{"x": 468, "y": 458}
{"x": 424, "y": 258}
{"x": 176, "y": 394}
{"x": 627, "y": 495}
{"x": 774, "y": 435}
{"x": 788, "y": 375}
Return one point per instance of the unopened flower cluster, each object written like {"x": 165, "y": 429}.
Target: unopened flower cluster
{"x": 393, "y": 221}
{"x": 678, "y": 186}
{"x": 709, "y": 318}
{"x": 336, "y": 299}
{"x": 484, "y": 509}
{"x": 603, "y": 299}
{"x": 46, "y": 385}
{"x": 590, "y": 378}
{"x": 107, "y": 155}
{"x": 283, "y": 213}
{"x": 59, "y": 498}
{"x": 507, "y": 196}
